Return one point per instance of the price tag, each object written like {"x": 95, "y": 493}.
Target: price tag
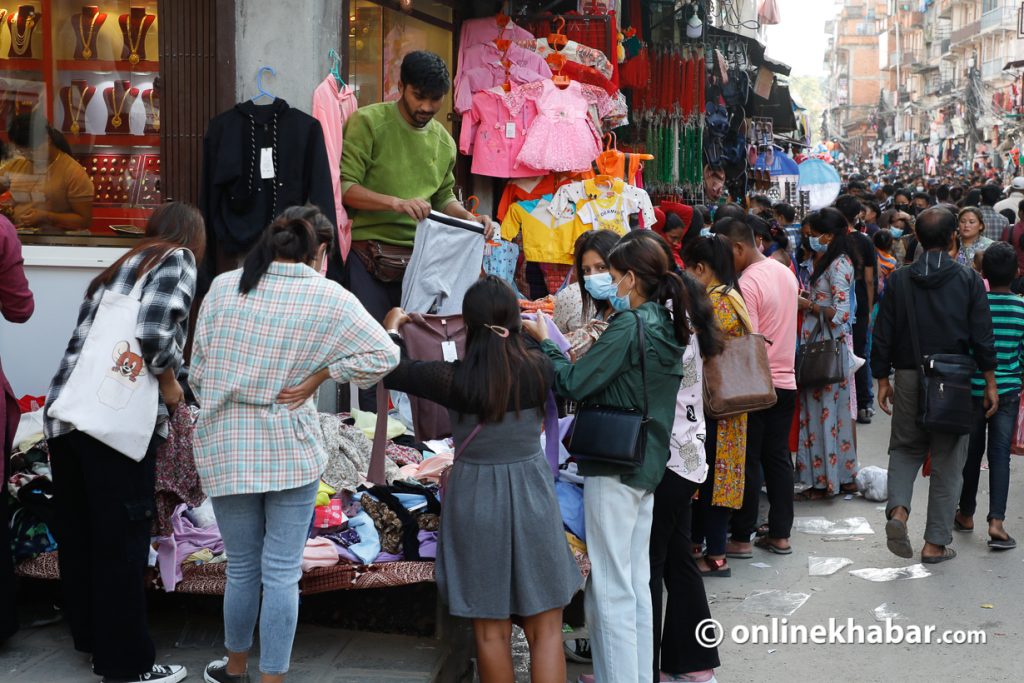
{"x": 266, "y": 163}
{"x": 510, "y": 129}
{"x": 451, "y": 354}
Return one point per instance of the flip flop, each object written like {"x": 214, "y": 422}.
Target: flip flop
{"x": 765, "y": 544}
{"x": 957, "y": 526}
{"x": 1002, "y": 543}
{"x": 740, "y": 556}
{"x": 897, "y": 539}
{"x": 948, "y": 554}
{"x": 718, "y": 568}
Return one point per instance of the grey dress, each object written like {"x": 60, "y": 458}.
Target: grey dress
{"x": 502, "y": 549}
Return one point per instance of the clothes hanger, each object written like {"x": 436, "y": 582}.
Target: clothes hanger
{"x": 259, "y": 84}
{"x": 336, "y": 67}
{"x": 557, "y": 62}
{"x": 502, "y": 17}
{"x": 558, "y": 39}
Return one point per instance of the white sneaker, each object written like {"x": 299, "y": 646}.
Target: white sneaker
{"x": 160, "y": 673}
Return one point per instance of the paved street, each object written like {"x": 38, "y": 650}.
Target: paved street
{"x": 978, "y": 590}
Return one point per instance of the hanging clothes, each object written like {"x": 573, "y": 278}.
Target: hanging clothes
{"x": 569, "y": 199}
{"x": 332, "y": 105}
{"x": 563, "y": 137}
{"x": 489, "y": 53}
{"x": 490, "y": 75}
{"x": 545, "y": 239}
{"x": 580, "y": 54}
{"x": 494, "y": 137}
{"x": 625, "y": 166}
{"x": 487, "y": 30}
{"x": 434, "y": 282}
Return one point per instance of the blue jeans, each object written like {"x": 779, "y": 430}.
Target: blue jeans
{"x": 1000, "y": 430}
{"x": 264, "y": 534}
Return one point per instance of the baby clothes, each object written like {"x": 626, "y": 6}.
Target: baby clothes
{"x": 562, "y": 137}
{"x": 545, "y": 240}
{"x": 488, "y": 53}
{"x": 575, "y": 52}
{"x": 487, "y": 30}
{"x": 494, "y": 137}
{"x": 569, "y": 200}
{"x": 487, "y": 76}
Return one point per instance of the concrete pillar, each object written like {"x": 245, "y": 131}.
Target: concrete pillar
{"x": 294, "y": 38}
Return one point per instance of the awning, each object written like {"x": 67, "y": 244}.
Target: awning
{"x": 778, "y": 107}
{"x": 1019, "y": 64}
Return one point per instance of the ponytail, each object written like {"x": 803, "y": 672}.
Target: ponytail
{"x": 286, "y": 239}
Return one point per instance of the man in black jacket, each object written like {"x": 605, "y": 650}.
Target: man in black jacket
{"x": 952, "y": 317}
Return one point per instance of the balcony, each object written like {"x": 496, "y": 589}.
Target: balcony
{"x": 966, "y": 34}
{"x": 944, "y": 9}
{"x": 1000, "y": 19}
{"x": 992, "y": 69}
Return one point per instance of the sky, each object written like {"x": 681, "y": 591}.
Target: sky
{"x": 800, "y": 39}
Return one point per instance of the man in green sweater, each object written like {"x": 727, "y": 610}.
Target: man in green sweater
{"x": 396, "y": 166}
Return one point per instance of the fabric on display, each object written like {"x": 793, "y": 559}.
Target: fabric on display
{"x": 626, "y": 200}
{"x": 487, "y": 76}
{"x": 494, "y": 137}
{"x": 501, "y": 259}
{"x": 489, "y": 29}
{"x": 425, "y": 337}
{"x": 185, "y": 540}
{"x": 579, "y": 54}
{"x": 562, "y": 137}
{"x": 333, "y": 104}
{"x": 348, "y": 454}
{"x": 177, "y": 480}
{"x": 482, "y": 54}
{"x": 436, "y": 280}
{"x": 546, "y": 239}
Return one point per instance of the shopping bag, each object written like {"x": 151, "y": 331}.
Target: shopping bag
{"x": 111, "y": 395}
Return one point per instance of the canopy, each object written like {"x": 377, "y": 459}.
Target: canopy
{"x": 781, "y": 165}
{"x": 821, "y": 180}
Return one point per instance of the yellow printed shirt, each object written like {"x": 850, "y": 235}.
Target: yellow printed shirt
{"x": 546, "y": 239}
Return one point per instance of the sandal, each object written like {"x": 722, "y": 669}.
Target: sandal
{"x": 697, "y": 551}
{"x": 811, "y": 494}
{"x": 718, "y": 568}
{"x": 958, "y": 526}
{"x": 762, "y": 530}
{"x": 897, "y": 539}
{"x": 849, "y": 488}
{"x": 739, "y": 554}
{"x": 947, "y": 554}
{"x": 765, "y": 544}
{"x": 1002, "y": 543}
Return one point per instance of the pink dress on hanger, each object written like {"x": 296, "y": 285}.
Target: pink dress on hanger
{"x": 562, "y": 138}
{"x": 332, "y": 105}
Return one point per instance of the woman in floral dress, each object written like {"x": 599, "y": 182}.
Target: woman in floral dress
{"x": 709, "y": 259}
{"x": 827, "y": 458}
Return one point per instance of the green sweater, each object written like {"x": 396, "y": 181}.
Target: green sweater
{"x": 609, "y": 375}
{"x": 385, "y": 154}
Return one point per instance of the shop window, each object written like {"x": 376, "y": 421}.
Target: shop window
{"x": 380, "y": 34}
{"x": 79, "y": 119}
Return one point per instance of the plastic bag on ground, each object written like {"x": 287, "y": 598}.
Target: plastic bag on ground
{"x": 774, "y": 602}
{"x": 914, "y": 571}
{"x": 873, "y": 483}
{"x": 849, "y": 526}
{"x": 826, "y": 566}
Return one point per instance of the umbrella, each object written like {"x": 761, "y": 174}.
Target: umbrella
{"x": 781, "y": 165}
{"x": 821, "y": 180}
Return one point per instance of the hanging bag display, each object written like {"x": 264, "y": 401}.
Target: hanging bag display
{"x": 739, "y": 380}
{"x": 822, "y": 362}
{"x": 944, "y": 402}
{"x": 111, "y": 395}
{"x": 613, "y": 435}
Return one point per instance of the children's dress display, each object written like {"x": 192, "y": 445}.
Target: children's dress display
{"x": 562, "y": 138}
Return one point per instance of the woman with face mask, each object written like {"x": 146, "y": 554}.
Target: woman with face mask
{"x": 582, "y": 309}
{"x": 970, "y": 236}
{"x": 827, "y": 458}
{"x": 901, "y": 227}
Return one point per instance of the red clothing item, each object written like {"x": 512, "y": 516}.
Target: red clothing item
{"x": 17, "y": 306}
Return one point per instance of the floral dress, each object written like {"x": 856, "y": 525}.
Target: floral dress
{"x": 826, "y": 458}
{"x": 731, "y": 454}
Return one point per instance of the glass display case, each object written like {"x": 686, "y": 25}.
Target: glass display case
{"x": 80, "y": 119}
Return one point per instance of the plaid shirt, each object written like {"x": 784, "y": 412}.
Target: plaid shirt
{"x": 161, "y": 328}
{"x": 248, "y": 348}
{"x": 995, "y": 224}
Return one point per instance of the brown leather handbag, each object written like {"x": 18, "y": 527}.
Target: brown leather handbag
{"x": 386, "y": 262}
{"x": 739, "y": 380}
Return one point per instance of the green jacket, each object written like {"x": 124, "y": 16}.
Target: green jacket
{"x": 609, "y": 375}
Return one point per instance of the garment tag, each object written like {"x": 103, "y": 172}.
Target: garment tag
{"x": 266, "y": 163}
{"x": 451, "y": 354}
{"x": 510, "y": 129}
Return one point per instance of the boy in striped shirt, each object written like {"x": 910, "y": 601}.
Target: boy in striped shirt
{"x": 999, "y": 266}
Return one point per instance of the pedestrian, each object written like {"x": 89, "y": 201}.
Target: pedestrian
{"x": 785, "y": 214}
{"x": 770, "y": 293}
{"x": 582, "y": 309}
{"x": 871, "y": 216}
{"x": 952, "y": 317}
{"x": 901, "y": 201}
{"x": 509, "y": 557}
{"x": 863, "y": 301}
{"x": 886, "y": 261}
{"x": 1013, "y": 199}
{"x": 258, "y": 446}
{"x": 710, "y": 261}
{"x": 999, "y": 266}
{"x": 826, "y": 461}
{"x": 16, "y": 305}
{"x": 901, "y": 227}
{"x": 1016, "y": 239}
{"x": 105, "y": 500}
{"x": 922, "y": 201}
{"x": 970, "y": 235}
{"x": 619, "y": 502}
{"x": 995, "y": 224}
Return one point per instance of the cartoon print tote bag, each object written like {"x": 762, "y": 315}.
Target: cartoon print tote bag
{"x": 111, "y": 395}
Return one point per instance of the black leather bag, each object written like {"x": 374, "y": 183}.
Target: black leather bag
{"x": 944, "y": 402}
{"x": 613, "y": 435}
{"x": 822, "y": 362}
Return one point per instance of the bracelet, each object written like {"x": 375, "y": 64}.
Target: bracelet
{"x": 394, "y": 333}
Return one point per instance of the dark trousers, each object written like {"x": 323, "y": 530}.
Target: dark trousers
{"x": 673, "y": 567}
{"x": 105, "y": 508}
{"x": 999, "y": 428}
{"x": 768, "y": 462}
{"x": 377, "y": 298}
{"x": 710, "y": 522}
{"x": 860, "y": 344}
{"x": 8, "y": 595}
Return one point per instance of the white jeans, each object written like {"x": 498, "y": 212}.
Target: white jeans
{"x": 618, "y": 596}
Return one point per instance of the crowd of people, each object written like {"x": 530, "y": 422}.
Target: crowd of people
{"x": 645, "y": 313}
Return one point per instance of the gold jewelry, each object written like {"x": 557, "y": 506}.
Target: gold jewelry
{"x": 75, "y": 127}
{"x": 86, "y": 50}
{"x": 118, "y": 108}
{"x": 155, "y": 111}
{"x": 22, "y": 39}
{"x": 133, "y": 46}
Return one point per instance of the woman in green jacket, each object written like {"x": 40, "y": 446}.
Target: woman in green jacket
{"x": 619, "y": 502}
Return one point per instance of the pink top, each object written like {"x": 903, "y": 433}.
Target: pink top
{"x": 494, "y": 136}
{"x": 331, "y": 107}
{"x": 484, "y": 53}
{"x": 486, "y": 30}
{"x": 563, "y": 137}
{"x": 770, "y": 291}
{"x": 489, "y": 75}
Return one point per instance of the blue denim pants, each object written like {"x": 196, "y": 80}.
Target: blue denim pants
{"x": 264, "y": 534}
{"x": 999, "y": 429}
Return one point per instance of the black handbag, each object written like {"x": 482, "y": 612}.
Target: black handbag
{"x": 821, "y": 362}
{"x": 613, "y": 435}
{"x": 944, "y": 401}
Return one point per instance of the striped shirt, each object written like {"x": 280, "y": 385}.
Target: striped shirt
{"x": 1008, "y": 325}
{"x": 248, "y": 348}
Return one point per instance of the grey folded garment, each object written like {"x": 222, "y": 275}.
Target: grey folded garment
{"x": 348, "y": 452}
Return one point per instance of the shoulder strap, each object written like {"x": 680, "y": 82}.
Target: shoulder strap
{"x": 912, "y": 315}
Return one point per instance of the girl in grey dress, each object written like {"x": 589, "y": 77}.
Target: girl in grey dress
{"x": 502, "y": 550}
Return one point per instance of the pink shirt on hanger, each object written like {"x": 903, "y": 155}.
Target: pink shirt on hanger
{"x": 486, "y": 30}
{"x": 487, "y": 76}
{"x": 331, "y": 107}
{"x": 485, "y": 53}
{"x": 494, "y": 137}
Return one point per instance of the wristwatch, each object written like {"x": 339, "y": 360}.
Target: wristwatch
{"x": 394, "y": 333}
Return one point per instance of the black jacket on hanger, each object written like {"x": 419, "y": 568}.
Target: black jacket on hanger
{"x": 236, "y": 201}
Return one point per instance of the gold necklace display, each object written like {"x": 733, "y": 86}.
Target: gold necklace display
{"x": 86, "y": 50}
{"x": 22, "y": 39}
{"x": 75, "y": 127}
{"x": 133, "y": 45}
{"x": 117, "y": 108}
{"x": 155, "y": 111}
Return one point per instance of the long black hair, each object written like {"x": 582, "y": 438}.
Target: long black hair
{"x": 498, "y": 371}
{"x": 295, "y": 235}
{"x": 716, "y": 253}
{"x": 25, "y": 131}
{"x": 649, "y": 258}
{"x": 602, "y": 242}
{"x": 830, "y": 221}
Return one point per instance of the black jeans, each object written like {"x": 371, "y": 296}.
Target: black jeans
{"x": 377, "y": 298}
{"x": 105, "y": 508}
{"x": 768, "y": 461}
{"x": 999, "y": 429}
{"x": 673, "y": 566}
{"x": 860, "y": 344}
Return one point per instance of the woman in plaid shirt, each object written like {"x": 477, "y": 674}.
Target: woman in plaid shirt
{"x": 267, "y": 336}
{"x": 105, "y": 500}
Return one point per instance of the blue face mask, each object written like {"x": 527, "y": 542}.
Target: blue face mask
{"x": 817, "y": 246}
{"x": 896, "y": 233}
{"x": 705, "y": 232}
{"x": 619, "y": 303}
{"x": 600, "y": 286}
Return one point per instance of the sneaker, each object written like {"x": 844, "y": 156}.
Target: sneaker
{"x": 578, "y": 651}
{"x": 160, "y": 673}
{"x": 863, "y": 416}
{"x": 217, "y": 672}
{"x": 694, "y": 677}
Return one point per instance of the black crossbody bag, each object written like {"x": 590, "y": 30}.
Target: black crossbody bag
{"x": 944, "y": 402}
{"x": 613, "y": 435}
